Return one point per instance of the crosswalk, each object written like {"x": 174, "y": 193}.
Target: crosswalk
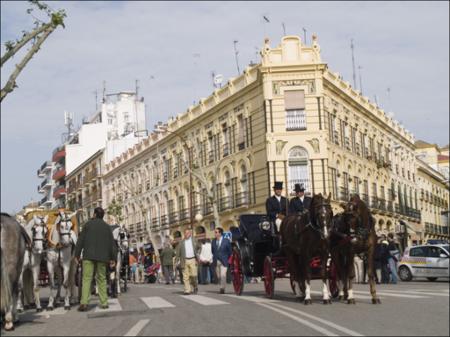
{"x": 171, "y": 299}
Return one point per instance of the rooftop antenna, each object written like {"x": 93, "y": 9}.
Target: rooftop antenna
{"x": 236, "y": 56}
{"x": 104, "y": 91}
{"x": 353, "y": 63}
{"x": 96, "y": 105}
{"x": 137, "y": 88}
{"x": 376, "y": 99}
{"x": 304, "y": 35}
{"x": 389, "y": 97}
{"x": 256, "y": 54}
{"x": 284, "y": 29}
{"x": 360, "y": 80}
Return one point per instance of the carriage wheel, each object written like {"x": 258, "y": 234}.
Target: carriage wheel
{"x": 269, "y": 279}
{"x": 332, "y": 280}
{"x": 237, "y": 272}
{"x": 292, "y": 281}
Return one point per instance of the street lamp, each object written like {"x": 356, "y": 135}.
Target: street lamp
{"x": 191, "y": 213}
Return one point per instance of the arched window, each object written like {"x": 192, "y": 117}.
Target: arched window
{"x": 243, "y": 179}
{"x": 298, "y": 168}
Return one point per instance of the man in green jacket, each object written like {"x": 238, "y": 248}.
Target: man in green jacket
{"x": 167, "y": 256}
{"x": 97, "y": 243}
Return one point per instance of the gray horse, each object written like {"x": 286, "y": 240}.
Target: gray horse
{"x": 13, "y": 242}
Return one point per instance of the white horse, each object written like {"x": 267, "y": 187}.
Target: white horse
{"x": 59, "y": 254}
{"x": 121, "y": 237}
{"x": 37, "y": 231}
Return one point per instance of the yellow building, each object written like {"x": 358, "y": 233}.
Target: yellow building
{"x": 434, "y": 199}
{"x": 434, "y": 156}
{"x": 287, "y": 119}
{"x": 84, "y": 186}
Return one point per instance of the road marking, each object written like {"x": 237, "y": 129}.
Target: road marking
{"x": 393, "y": 294}
{"x": 56, "y": 311}
{"x": 156, "y": 302}
{"x": 419, "y": 293}
{"x": 362, "y": 297}
{"x": 113, "y": 304}
{"x": 134, "y": 331}
{"x": 254, "y": 299}
{"x": 323, "y": 321}
{"x": 203, "y": 300}
{"x": 298, "y": 319}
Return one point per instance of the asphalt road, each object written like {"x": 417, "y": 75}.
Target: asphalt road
{"x": 413, "y": 308}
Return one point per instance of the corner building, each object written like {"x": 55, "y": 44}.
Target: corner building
{"x": 286, "y": 119}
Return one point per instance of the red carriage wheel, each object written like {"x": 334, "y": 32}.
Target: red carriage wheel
{"x": 292, "y": 280}
{"x": 269, "y": 279}
{"x": 237, "y": 272}
{"x": 332, "y": 280}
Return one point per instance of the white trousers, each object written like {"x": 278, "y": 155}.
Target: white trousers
{"x": 221, "y": 272}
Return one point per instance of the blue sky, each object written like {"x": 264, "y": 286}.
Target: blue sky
{"x": 172, "y": 48}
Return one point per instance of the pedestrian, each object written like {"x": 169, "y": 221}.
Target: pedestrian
{"x": 167, "y": 255}
{"x": 221, "y": 251}
{"x": 133, "y": 264}
{"x": 384, "y": 256}
{"x": 96, "y": 243}
{"x": 394, "y": 256}
{"x": 140, "y": 267}
{"x": 187, "y": 255}
{"x": 206, "y": 259}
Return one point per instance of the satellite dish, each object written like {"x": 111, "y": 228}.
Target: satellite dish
{"x": 218, "y": 79}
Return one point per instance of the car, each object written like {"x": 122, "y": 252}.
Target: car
{"x": 430, "y": 261}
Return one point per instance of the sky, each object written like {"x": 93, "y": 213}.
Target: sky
{"x": 172, "y": 48}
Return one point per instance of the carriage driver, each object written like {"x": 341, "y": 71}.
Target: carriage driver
{"x": 300, "y": 203}
{"x": 276, "y": 206}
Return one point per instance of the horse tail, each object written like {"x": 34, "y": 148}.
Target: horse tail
{"x": 5, "y": 287}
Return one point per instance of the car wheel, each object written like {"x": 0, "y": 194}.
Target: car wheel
{"x": 432, "y": 279}
{"x": 405, "y": 274}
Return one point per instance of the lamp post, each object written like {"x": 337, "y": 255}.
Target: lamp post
{"x": 191, "y": 213}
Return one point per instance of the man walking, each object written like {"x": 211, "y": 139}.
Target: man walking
{"x": 221, "y": 250}
{"x": 167, "y": 255}
{"x": 394, "y": 256}
{"x": 97, "y": 244}
{"x": 187, "y": 254}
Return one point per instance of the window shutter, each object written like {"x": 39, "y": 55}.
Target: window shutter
{"x": 294, "y": 99}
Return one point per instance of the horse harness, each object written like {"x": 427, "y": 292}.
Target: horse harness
{"x": 312, "y": 224}
{"x": 44, "y": 231}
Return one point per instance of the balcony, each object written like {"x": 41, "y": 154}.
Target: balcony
{"x": 46, "y": 167}
{"x": 365, "y": 198}
{"x": 390, "y": 206}
{"x": 184, "y": 214}
{"x": 173, "y": 218}
{"x": 91, "y": 175}
{"x": 44, "y": 185}
{"x": 207, "y": 209}
{"x": 226, "y": 150}
{"x": 210, "y": 157}
{"x": 241, "y": 199}
{"x": 295, "y": 120}
{"x": 225, "y": 203}
{"x": 61, "y": 173}
{"x": 336, "y": 137}
{"x": 59, "y": 153}
{"x": 164, "y": 220}
{"x": 45, "y": 201}
{"x": 155, "y": 224}
{"x": 73, "y": 187}
{"x": 59, "y": 192}
{"x": 343, "y": 194}
{"x": 347, "y": 143}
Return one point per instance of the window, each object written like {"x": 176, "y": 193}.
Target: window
{"x": 241, "y": 133}
{"x": 418, "y": 252}
{"x": 298, "y": 168}
{"x": 226, "y": 140}
{"x": 294, "y": 102}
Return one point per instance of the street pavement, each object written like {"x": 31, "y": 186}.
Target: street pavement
{"x": 408, "y": 308}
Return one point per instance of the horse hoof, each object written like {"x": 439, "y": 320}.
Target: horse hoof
{"x": 307, "y": 302}
{"x": 376, "y": 301}
{"x": 351, "y": 301}
{"x": 300, "y": 299}
{"x": 341, "y": 298}
{"x": 49, "y": 308}
{"x": 326, "y": 301}
{"x": 39, "y": 310}
{"x": 20, "y": 310}
{"x": 9, "y": 328}
{"x": 67, "y": 308}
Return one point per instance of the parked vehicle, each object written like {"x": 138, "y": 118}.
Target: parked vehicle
{"x": 430, "y": 261}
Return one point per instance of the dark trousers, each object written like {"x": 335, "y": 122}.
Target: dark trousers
{"x": 212, "y": 273}
{"x": 384, "y": 273}
{"x": 203, "y": 273}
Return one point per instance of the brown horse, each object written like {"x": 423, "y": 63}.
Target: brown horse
{"x": 353, "y": 233}
{"x": 304, "y": 236}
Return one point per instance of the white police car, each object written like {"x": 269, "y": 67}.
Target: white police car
{"x": 430, "y": 261}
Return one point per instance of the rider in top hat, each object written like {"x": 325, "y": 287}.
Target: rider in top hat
{"x": 276, "y": 206}
{"x": 300, "y": 202}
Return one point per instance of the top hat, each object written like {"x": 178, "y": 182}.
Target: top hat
{"x": 278, "y": 185}
{"x": 299, "y": 188}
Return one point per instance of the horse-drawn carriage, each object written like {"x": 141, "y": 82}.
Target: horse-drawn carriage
{"x": 257, "y": 252}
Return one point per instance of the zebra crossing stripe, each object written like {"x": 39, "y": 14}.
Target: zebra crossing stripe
{"x": 113, "y": 304}
{"x": 443, "y": 294}
{"x": 156, "y": 302}
{"x": 392, "y": 294}
{"x": 203, "y": 300}
{"x": 56, "y": 311}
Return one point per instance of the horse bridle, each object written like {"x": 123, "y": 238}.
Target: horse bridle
{"x": 33, "y": 231}
{"x": 314, "y": 225}
{"x": 66, "y": 220}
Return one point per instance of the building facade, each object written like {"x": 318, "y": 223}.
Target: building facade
{"x": 287, "y": 119}
{"x": 84, "y": 186}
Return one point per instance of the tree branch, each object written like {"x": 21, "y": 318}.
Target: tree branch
{"x": 23, "y": 42}
{"x": 11, "y": 84}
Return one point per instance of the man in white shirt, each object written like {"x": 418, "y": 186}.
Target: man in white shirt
{"x": 187, "y": 254}
{"x": 206, "y": 259}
